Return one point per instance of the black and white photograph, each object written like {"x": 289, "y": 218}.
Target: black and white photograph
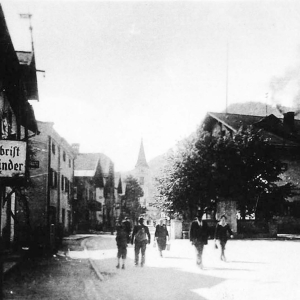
{"x": 149, "y": 150}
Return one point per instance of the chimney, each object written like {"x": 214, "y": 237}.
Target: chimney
{"x": 288, "y": 120}
{"x": 75, "y": 148}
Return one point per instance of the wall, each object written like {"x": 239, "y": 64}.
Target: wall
{"x": 288, "y": 225}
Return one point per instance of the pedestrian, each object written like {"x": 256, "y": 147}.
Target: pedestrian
{"x": 161, "y": 236}
{"x": 128, "y": 228}
{"x": 221, "y": 234}
{"x": 140, "y": 237}
{"x": 199, "y": 236}
{"x": 121, "y": 240}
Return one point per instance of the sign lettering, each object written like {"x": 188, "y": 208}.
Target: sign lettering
{"x": 12, "y": 158}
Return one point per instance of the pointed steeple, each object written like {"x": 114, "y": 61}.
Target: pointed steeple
{"x": 141, "y": 162}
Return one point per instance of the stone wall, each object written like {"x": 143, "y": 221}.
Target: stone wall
{"x": 288, "y": 224}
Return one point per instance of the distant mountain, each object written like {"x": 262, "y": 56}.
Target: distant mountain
{"x": 258, "y": 109}
{"x": 157, "y": 163}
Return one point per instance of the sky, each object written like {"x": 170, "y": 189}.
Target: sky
{"x": 117, "y": 72}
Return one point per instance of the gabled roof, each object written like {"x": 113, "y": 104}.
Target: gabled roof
{"x": 231, "y": 121}
{"x": 272, "y": 127}
{"x": 86, "y": 164}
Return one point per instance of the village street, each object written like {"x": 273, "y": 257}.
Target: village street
{"x": 255, "y": 269}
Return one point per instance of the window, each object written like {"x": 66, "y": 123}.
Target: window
{"x": 67, "y": 185}
{"x": 53, "y": 148}
{"x": 70, "y": 163}
{"x": 64, "y": 156}
{"x": 62, "y": 182}
{"x": 53, "y": 178}
{"x": 75, "y": 193}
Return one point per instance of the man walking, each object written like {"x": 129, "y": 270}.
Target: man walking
{"x": 140, "y": 236}
{"x": 128, "y": 228}
{"x": 199, "y": 236}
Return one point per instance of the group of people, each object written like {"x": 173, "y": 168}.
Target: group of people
{"x": 199, "y": 236}
{"x": 140, "y": 237}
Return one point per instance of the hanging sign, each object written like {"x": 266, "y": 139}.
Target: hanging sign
{"x": 12, "y": 158}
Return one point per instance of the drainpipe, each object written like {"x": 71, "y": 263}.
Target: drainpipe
{"x": 48, "y": 191}
{"x": 58, "y": 188}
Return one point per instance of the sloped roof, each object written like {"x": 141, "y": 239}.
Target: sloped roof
{"x": 86, "y": 164}
{"x": 273, "y": 127}
{"x": 233, "y": 121}
{"x": 27, "y": 63}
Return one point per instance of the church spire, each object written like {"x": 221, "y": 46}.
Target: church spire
{"x": 141, "y": 162}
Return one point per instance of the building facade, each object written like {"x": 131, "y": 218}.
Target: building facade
{"x": 283, "y": 133}
{"x": 50, "y": 195}
{"x": 94, "y": 204}
{"x": 18, "y": 84}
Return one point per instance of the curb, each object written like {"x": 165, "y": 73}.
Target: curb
{"x": 92, "y": 263}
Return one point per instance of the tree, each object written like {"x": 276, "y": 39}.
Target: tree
{"x": 206, "y": 169}
{"x": 132, "y": 206}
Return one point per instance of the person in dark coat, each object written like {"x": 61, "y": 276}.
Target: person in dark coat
{"x": 141, "y": 237}
{"x": 199, "y": 236}
{"x": 128, "y": 228}
{"x": 121, "y": 239}
{"x": 161, "y": 236}
{"x": 221, "y": 233}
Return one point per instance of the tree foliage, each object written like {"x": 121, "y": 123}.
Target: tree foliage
{"x": 132, "y": 206}
{"x": 206, "y": 168}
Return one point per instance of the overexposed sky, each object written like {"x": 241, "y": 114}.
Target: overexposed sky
{"x": 120, "y": 71}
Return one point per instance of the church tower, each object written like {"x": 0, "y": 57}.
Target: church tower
{"x": 143, "y": 174}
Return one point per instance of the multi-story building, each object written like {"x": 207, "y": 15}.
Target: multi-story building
{"x": 18, "y": 84}
{"x": 94, "y": 207}
{"x": 50, "y": 193}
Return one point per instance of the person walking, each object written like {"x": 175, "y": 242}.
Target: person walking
{"x": 199, "y": 236}
{"x": 121, "y": 239}
{"x": 128, "y": 228}
{"x": 140, "y": 236}
{"x": 221, "y": 234}
{"x": 161, "y": 236}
